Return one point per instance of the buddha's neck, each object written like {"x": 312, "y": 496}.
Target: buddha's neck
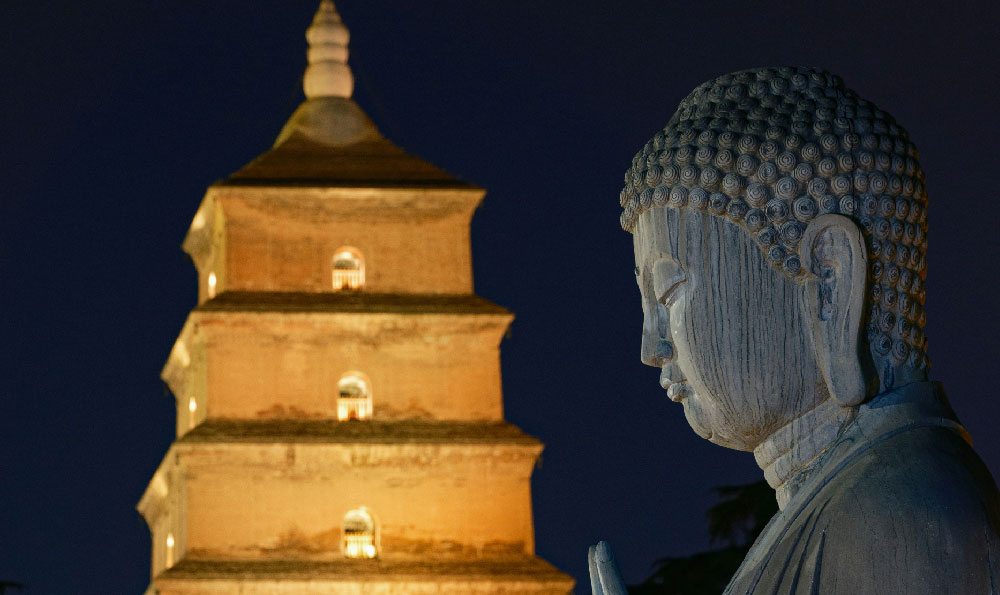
{"x": 788, "y": 451}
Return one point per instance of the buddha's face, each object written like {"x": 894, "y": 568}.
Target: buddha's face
{"x": 724, "y": 327}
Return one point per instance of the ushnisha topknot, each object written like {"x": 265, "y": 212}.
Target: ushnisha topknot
{"x": 772, "y": 148}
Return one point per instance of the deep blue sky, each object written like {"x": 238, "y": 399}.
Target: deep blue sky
{"x": 115, "y": 115}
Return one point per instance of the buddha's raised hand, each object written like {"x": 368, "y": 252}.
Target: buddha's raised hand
{"x": 604, "y": 576}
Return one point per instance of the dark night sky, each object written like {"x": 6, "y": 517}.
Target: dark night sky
{"x": 116, "y": 115}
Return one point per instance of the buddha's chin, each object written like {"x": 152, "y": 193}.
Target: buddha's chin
{"x": 694, "y": 415}
{"x": 700, "y": 418}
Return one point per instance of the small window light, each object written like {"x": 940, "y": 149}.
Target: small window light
{"x": 211, "y": 285}
{"x": 354, "y": 397}
{"x": 182, "y": 354}
{"x": 170, "y": 550}
{"x": 192, "y": 407}
{"x": 348, "y": 269}
{"x": 199, "y": 220}
{"x": 359, "y": 534}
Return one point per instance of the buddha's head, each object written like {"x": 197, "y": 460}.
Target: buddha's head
{"x": 779, "y": 228}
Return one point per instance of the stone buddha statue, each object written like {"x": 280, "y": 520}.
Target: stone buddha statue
{"x": 779, "y": 223}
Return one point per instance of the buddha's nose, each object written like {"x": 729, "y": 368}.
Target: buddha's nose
{"x": 657, "y": 350}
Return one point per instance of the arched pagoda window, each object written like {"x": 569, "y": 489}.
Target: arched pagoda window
{"x": 354, "y": 397}
{"x": 348, "y": 269}
{"x": 360, "y": 534}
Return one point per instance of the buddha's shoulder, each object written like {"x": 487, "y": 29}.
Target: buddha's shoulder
{"x": 926, "y": 492}
{"x": 915, "y": 513}
{"x": 929, "y": 470}
{"x": 920, "y": 501}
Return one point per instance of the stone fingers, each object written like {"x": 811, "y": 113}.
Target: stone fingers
{"x": 595, "y": 578}
{"x": 604, "y": 576}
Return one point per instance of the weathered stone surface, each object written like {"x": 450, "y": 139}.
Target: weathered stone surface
{"x": 898, "y": 503}
{"x": 779, "y": 224}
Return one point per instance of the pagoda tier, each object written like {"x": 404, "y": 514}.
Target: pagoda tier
{"x": 339, "y": 407}
{"x": 285, "y": 355}
{"x": 240, "y": 506}
{"x": 409, "y": 239}
{"x": 439, "y": 490}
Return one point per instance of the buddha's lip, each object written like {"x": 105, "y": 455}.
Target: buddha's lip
{"x": 676, "y": 391}
{"x": 675, "y": 388}
{"x": 666, "y": 381}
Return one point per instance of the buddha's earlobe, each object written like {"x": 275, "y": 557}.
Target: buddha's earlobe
{"x": 833, "y": 254}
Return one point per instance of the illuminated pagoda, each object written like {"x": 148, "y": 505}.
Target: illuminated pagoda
{"x": 339, "y": 410}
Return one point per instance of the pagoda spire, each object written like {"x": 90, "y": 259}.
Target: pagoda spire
{"x": 328, "y": 74}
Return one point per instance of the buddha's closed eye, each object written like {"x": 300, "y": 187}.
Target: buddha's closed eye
{"x": 668, "y": 277}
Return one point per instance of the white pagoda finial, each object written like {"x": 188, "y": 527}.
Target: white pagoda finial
{"x": 328, "y": 74}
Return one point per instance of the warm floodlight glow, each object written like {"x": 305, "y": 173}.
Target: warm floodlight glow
{"x": 160, "y": 485}
{"x": 354, "y": 400}
{"x": 192, "y": 407}
{"x": 199, "y": 221}
{"x": 348, "y": 269}
{"x": 182, "y": 354}
{"x": 211, "y": 285}
{"x": 170, "y": 550}
{"x": 359, "y": 534}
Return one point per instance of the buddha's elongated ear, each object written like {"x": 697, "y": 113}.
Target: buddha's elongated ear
{"x": 832, "y": 251}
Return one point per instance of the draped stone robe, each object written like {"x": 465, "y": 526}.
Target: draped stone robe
{"x": 899, "y": 504}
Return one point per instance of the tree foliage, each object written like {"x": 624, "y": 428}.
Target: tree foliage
{"x": 736, "y": 520}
